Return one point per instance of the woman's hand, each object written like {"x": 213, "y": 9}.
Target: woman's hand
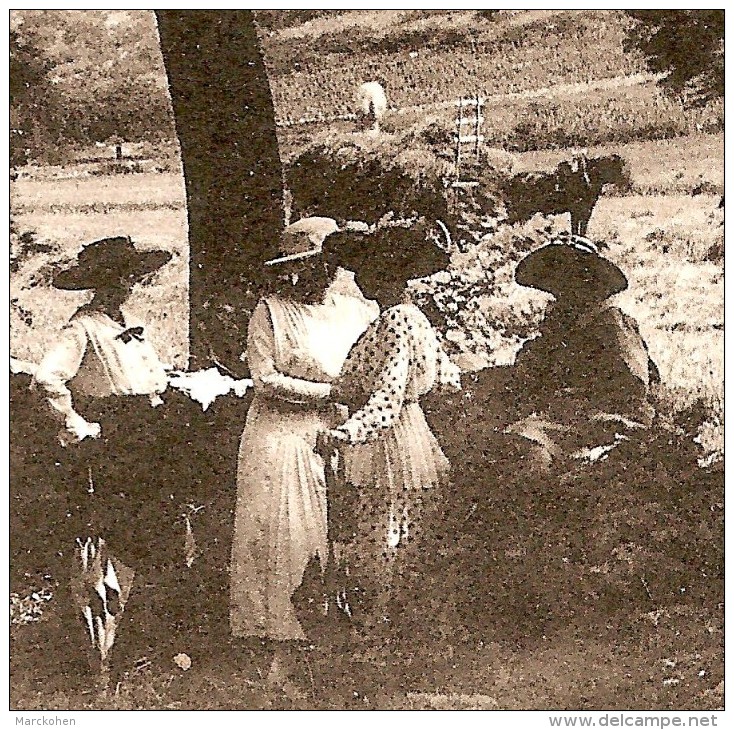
{"x": 340, "y": 413}
{"x": 327, "y": 448}
{"x": 77, "y": 429}
{"x": 332, "y": 437}
{"x": 327, "y": 442}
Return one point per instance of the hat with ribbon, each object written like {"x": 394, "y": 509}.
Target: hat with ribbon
{"x": 571, "y": 265}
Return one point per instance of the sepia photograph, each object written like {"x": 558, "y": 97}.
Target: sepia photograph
{"x": 367, "y": 360}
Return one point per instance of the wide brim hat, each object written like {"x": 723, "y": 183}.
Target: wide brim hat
{"x": 304, "y": 239}
{"x": 571, "y": 265}
{"x": 110, "y": 261}
{"x": 401, "y": 252}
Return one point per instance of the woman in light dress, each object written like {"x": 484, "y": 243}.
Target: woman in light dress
{"x": 298, "y": 339}
{"x": 393, "y": 464}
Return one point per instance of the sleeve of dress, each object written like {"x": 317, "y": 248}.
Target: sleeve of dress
{"x": 632, "y": 347}
{"x": 59, "y": 365}
{"x": 449, "y": 375}
{"x": 390, "y": 379}
{"x": 261, "y": 360}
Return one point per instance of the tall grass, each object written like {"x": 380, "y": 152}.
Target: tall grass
{"x": 601, "y": 118}
{"x": 657, "y": 167}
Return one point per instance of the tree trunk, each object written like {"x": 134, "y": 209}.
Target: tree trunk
{"x": 226, "y": 126}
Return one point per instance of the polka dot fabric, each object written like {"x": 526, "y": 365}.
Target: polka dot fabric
{"x": 395, "y": 361}
{"x": 393, "y": 464}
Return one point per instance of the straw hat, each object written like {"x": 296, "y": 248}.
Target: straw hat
{"x": 304, "y": 239}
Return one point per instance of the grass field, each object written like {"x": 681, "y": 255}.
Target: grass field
{"x": 551, "y": 79}
{"x": 657, "y": 167}
{"x": 670, "y": 244}
{"x": 663, "y": 661}
{"x": 637, "y": 621}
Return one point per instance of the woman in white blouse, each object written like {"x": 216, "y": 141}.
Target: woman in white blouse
{"x": 103, "y": 379}
{"x": 101, "y": 353}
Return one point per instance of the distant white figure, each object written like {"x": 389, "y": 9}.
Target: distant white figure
{"x": 372, "y": 105}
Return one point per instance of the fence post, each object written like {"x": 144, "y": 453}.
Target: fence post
{"x": 459, "y": 124}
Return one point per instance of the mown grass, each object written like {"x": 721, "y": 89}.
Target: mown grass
{"x": 676, "y": 293}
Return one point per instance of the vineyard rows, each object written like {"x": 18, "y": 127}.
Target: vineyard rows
{"x": 326, "y": 84}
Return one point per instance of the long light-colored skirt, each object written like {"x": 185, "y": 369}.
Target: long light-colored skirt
{"x": 280, "y": 518}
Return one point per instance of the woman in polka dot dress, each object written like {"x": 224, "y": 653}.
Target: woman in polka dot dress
{"x": 392, "y": 461}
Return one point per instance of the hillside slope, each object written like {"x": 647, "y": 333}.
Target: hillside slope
{"x": 561, "y": 75}
{"x": 432, "y": 56}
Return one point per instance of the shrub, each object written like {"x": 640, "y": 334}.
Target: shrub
{"x": 482, "y": 315}
{"x": 693, "y": 246}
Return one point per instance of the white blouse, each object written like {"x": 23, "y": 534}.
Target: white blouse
{"x": 96, "y": 356}
{"x": 296, "y": 350}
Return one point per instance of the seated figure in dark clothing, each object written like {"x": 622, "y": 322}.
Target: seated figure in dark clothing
{"x": 587, "y": 376}
{"x": 538, "y": 439}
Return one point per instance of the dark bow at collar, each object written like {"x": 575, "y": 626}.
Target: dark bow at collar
{"x": 131, "y": 333}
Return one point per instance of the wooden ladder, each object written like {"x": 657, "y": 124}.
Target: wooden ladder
{"x": 468, "y": 142}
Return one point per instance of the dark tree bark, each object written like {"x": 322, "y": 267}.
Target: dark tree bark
{"x": 226, "y": 126}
